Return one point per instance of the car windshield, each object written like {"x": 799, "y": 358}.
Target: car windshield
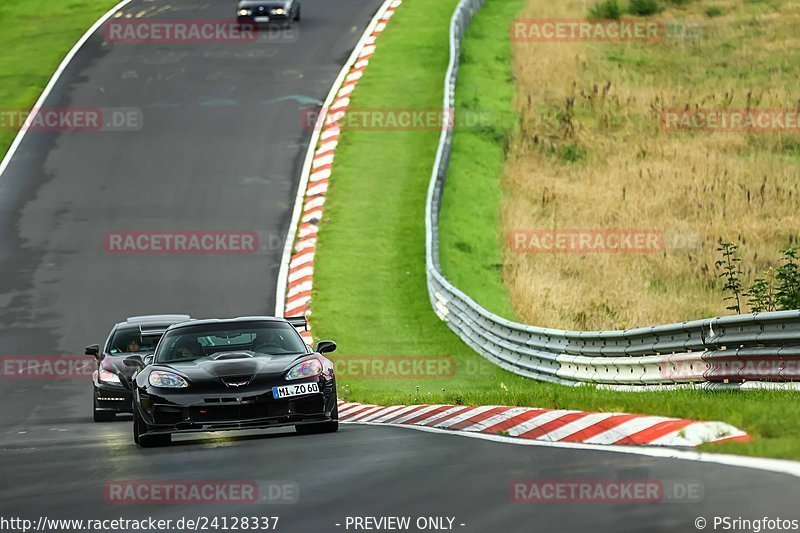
{"x": 132, "y": 341}
{"x": 214, "y": 340}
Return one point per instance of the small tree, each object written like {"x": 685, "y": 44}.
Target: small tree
{"x": 730, "y": 272}
{"x": 788, "y": 277}
{"x": 763, "y": 296}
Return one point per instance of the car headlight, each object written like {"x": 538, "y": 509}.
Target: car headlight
{"x": 168, "y": 380}
{"x": 279, "y": 11}
{"x": 107, "y": 377}
{"x": 244, "y": 12}
{"x": 306, "y": 369}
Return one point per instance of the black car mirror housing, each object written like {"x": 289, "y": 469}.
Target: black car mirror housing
{"x": 93, "y": 350}
{"x": 326, "y": 346}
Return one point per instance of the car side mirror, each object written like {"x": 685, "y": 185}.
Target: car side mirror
{"x": 148, "y": 359}
{"x": 326, "y": 346}
{"x": 134, "y": 361}
{"x": 94, "y": 350}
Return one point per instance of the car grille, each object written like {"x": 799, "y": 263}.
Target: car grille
{"x": 223, "y": 410}
{"x": 228, "y": 412}
{"x": 236, "y": 382}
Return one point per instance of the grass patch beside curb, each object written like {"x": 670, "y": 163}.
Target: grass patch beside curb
{"x": 370, "y": 294}
{"x": 34, "y": 44}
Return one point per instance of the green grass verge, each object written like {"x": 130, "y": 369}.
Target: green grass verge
{"x": 469, "y": 235}
{"x": 369, "y": 290}
{"x": 34, "y": 43}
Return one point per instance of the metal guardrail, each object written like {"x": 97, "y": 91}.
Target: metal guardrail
{"x": 723, "y": 352}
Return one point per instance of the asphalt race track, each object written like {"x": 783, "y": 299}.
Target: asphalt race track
{"x": 220, "y": 148}
{"x": 59, "y": 467}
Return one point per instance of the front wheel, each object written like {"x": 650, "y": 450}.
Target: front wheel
{"x": 331, "y": 426}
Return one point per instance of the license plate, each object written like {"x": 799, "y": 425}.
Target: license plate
{"x": 261, "y": 19}
{"x": 295, "y": 390}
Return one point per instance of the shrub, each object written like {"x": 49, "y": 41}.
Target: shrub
{"x": 608, "y": 9}
{"x": 762, "y": 295}
{"x": 644, "y": 8}
{"x": 788, "y": 277}
{"x": 571, "y": 153}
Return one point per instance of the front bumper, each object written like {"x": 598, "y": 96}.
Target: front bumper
{"x": 273, "y": 19}
{"x": 183, "y": 411}
{"x": 112, "y": 398}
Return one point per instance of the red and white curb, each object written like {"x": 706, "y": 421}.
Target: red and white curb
{"x": 547, "y": 424}
{"x": 299, "y": 280}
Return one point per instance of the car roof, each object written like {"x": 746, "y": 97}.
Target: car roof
{"x": 265, "y": 3}
{"x": 148, "y": 322}
{"x": 154, "y": 319}
{"x": 228, "y": 321}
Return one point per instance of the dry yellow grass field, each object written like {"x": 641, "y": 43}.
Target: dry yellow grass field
{"x": 592, "y": 154}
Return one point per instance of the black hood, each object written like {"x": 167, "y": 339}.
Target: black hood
{"x": 232, "y": 364}
{"x": 270, "y": 4}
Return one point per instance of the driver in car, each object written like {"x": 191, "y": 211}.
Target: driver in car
{"x": 133, "y": 346}
{"x": 188, "y": 348}
{"x": 268, "y": 341}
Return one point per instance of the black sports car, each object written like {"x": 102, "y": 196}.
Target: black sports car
{"x": 138, "y": 334}
{"x": 268, "y": 11}
{"x": 241, "y": 373}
